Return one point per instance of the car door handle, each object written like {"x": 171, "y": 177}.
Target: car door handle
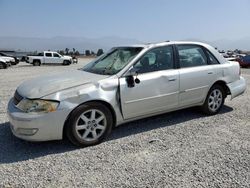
{"x": 171, "y": 79}
{"x": 210, "y": 72}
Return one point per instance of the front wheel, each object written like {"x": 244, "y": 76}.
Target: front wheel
{"x": 89, "y": 124}
{"x": 214, "y": 100}
{"x": 36, "y": 63}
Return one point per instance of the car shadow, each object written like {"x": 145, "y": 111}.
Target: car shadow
{"x": 159, "y": 121}
{"x": 16, "y": 150}
{"x": 44, "y": 65}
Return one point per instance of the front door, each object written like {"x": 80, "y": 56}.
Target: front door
{"x": 57, "y": 58}
{"x": 158, "y": 89}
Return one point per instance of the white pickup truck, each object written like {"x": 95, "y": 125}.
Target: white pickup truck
{"x": 49, "y": 57}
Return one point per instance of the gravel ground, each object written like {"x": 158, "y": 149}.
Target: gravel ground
{"x": 179, "y": 149}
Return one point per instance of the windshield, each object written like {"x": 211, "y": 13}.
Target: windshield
{"x": 113, "y": 61}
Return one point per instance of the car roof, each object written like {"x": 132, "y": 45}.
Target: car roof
{"x": 159, "y": 44}
{"x": 149, "y": 45}
{"x": 49, "y": 52}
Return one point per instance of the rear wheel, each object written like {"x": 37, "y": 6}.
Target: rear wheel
{"x": 89, "y": 124}
{"x": 214, "y": 101}
{"x": 36, "y": 63}
{"x": 66, "y": 62}
{"x": 3, "y": 66}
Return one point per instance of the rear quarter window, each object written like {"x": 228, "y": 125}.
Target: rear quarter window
{"x": 191, "y": 56}
{"x": 211, "y": 58}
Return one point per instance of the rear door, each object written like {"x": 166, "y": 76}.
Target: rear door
{"x": 196, "y": 74}
{"x": 48, "y": 58}
{"x": 158, "y": 89}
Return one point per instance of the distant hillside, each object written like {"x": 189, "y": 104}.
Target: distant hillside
{"x": 58, "y": 43}
{"x": 242, "y": 44}
{"x": 82, "y": 43}
{"x": 226, "y": 44}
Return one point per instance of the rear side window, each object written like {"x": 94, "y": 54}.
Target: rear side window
{"x": 48, "y": 54}
{"x": 191, "y": 56}
{"x": 212, "y": 60}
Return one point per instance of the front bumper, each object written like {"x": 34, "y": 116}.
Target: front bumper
{"x": 36, "y": 127}
{"x": 237, "y": 87}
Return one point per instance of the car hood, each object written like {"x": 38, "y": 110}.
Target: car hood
{"x": 49, "y": 84}
{"x": 2, "y": 60}
{"x": 7, "y": 58}
{"x": 67, "y": 57}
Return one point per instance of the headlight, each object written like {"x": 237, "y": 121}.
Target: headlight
{"x": 37, "y": 106}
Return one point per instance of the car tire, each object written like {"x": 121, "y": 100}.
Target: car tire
{"x": 66, "y": 62}
{"x": 3, "y": 66}
{"x": 214, "y": 101}
{"x": 89, "y": 124}
{"x": 36, "y": 63}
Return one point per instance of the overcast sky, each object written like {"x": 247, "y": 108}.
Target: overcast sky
{"x": 145, "y": 20}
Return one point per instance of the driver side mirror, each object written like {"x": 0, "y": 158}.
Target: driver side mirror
{"x": 130, "y": 78}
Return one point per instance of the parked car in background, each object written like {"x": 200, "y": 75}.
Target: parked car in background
{"x": 236, "y": 59}
{"x": 3, "y": 64}
{"x": 7, "y": 55}
{"x": 9, "y": 60}
{"x": 127, "y": 83}
{"x": 74, "y": 59}
{"x": 224, "y": 54}
{"x": 49, "y": 57}
{"x": 245, "y": 61}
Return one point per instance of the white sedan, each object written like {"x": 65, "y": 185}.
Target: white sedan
{"x": 125, "y": 84}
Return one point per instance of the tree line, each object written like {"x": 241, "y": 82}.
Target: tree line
{"x": 75, "y": 52}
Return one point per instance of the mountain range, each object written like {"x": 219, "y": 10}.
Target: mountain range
{"x": 60, "y": 43}
{"x": 82, "y": 43}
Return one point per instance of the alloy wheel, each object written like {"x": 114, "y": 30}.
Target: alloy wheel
{"x": 215, "y": 100}
{"x": 91, "y": 125}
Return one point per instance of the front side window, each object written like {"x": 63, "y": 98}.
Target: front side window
{"x": 48, "y": 54}
{"x": 113, "y": 62}
{"x": 191, "y": 56}
{"x": 155, "y": 60}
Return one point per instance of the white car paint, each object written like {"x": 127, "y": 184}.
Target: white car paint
{"x": 7, "y": 59}
{"x": 158, "y": 92}
{"x": 54, "y": 58}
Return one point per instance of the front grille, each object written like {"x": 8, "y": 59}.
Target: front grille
{"x": 17, "y": 98}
